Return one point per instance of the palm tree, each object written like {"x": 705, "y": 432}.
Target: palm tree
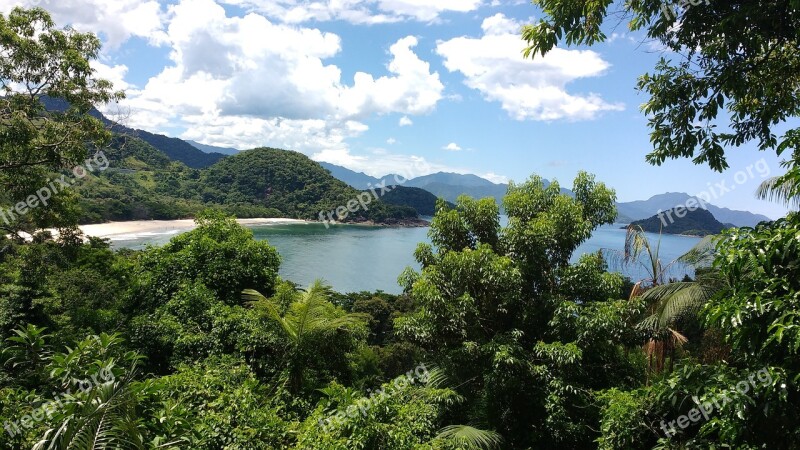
{"x": 667, "y": 303}
{"x": 784, "y": 189}
{"x": 104, "y": 418}
{"x": 309, "y": 319}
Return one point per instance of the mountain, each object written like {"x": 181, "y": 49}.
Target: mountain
{"x": 213, "y": 149}
{"x": 295, "y": 185}
{"x": 142, "y": 183}
{"x": 174, "y": 148}
{"x": 451, "y": 179}
{"x": 445, "y": 185}
{"x": 355, "y": 179}
{"x": 177, "y": 149}
{"x": 699, "y": 222}
{"x": 421, "y": 200}
{"x": 450, "y": 186}
{"x": 642, "y": 209}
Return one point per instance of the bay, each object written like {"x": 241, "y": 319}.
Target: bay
{"x": 360, "y": 258}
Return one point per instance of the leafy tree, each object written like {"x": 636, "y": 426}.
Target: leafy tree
{"x": 310, "y": 326}
{"x": 219, "y": 253}
{"x": 38, "y": 61}
{"x": 731, "y": 77}
{"x": 512, "y": 322}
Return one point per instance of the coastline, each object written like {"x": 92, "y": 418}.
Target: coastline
{"x": 137, "y": 227}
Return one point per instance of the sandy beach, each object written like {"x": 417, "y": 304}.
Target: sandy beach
{"x": 138, "y": 227}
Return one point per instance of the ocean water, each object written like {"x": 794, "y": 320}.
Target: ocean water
{"x": 358, "y": 258}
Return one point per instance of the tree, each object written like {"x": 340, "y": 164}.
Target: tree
{"x": 40, "y": 61}
{"x": 732, "y": 76}
{"x": 310, "y": 326}
{"x": 512, "y": 322}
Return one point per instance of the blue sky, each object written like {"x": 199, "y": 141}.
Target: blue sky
{"x": 395, "y": 86}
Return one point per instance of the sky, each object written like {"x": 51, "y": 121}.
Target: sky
{"x": 397, "y": 86}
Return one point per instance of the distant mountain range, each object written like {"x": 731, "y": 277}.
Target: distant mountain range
{"x": 443, "y": 185}
{"x": 213, "y": 149}
{"x": 646, "y": 208}
{"x": 450, "y": 185}
{"x": 176, "y": 149}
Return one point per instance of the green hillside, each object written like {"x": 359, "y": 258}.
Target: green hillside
{"x": 421, "y": 200}
{"x": 695, "y": 223}
{"x": 289, "y": 182}
{"x": 143, "y": 183}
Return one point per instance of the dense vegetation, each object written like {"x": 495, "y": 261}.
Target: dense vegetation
{"x": 498, "y": 340}
{"x": 291, "y": 183}
{"x": 699, "y": 222}
{"x": 421, "y": 200}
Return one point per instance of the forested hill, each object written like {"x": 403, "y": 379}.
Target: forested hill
{"x": 289, "y": 182}
{"x": 421, "y": 200}
{"x": 695, "y": 223}
{"x": 141, "y": 183}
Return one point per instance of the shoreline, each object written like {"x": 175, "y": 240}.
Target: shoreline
{"x": 137, "y": 227}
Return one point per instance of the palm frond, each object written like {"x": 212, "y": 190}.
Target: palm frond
{"x": 672, "y": 301}
{"x": 438, "y": 379}
{"x": 470, "y": 437}
{"x": 784, "y": 190}
{"x": 702, "y": 254}
{"x": 106, "y": 418}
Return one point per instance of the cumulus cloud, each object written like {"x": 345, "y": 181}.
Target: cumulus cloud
{"x": 246, "y": 81}
{"x": 406, "y": 122}
{"x": 452, "y": 147}
{"x": 357, "y": 11}
{"x": 115, "y": 20}
{"x": 526, "y": 89}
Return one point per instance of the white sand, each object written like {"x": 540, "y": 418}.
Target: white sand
{"x": 138, "y": 227}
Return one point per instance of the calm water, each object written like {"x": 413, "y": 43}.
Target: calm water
{"x": 356, "y": 258}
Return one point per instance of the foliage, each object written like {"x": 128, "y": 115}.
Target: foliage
{"x": 512, "y": 322}
{"x": 41, "y": 60}
{"x": 732, "y": 76}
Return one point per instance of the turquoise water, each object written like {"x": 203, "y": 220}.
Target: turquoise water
{"x": 358, "y": 258}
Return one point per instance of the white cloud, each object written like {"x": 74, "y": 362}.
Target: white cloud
{"x": 391, "y": 141}
{"x": 357, "y": 11}
{"x": 269, "y": 83}
{"x": 453, "y": 147}
{"x": 406, "y": 122}
{"x": 115, "y": 20}
{"x": 382, "y": 162}
{"x": 526, "y": 89}
{"x": 495, "y": 178}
